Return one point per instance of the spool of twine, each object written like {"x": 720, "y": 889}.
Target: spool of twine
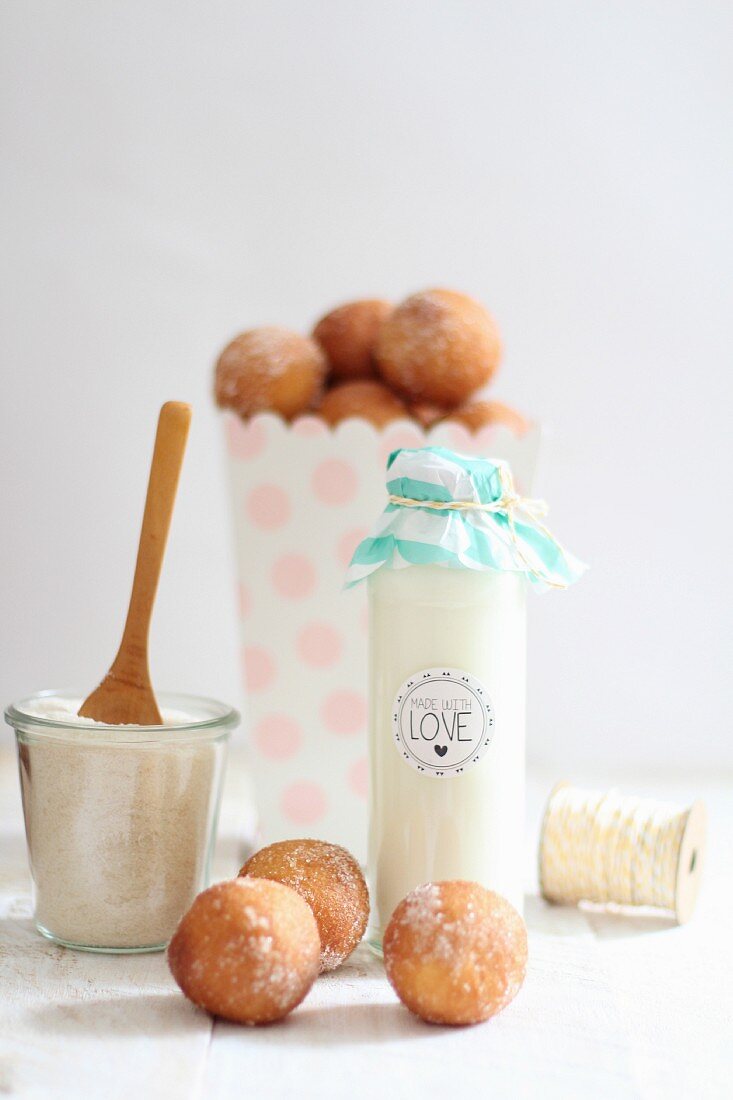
{"x": 621, "y": 849}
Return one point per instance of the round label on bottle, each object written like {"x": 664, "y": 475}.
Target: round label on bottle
{"x": 443, "y": 721}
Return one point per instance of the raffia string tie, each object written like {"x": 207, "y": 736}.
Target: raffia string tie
{"x": 508, "y": 504}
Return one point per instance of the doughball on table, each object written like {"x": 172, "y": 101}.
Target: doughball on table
{"x": 348, "y": 335}
{"x": 246, "y": 950}
{"x": 367, "y": 400}
{"x": 330, "y": 880}
{"x": 455, "y": 952}
{"x": 484, "y": 414}
{"x": 438, "y": 347}
{"x": 270, "y": 369}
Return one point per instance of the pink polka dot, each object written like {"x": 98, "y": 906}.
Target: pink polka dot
{"x": 278, "y": 736}
{"x": 259, "y": 668}
{"x": 344, "y": 712}
{"x": 304, "y": 803}
{"x": 359, "y": 777}
{"x": 335, "y": 481}
{"x": 268, "y": 506}
{"x": 294, "y": 576}
{"x": 319, "y": 645}
{"x": 404, "y": 436}
{"x": 245, "y": 601}
{"x": 245, "y": 439}
{"x": 308, "y": 427}
{"x": 348, "y": 543}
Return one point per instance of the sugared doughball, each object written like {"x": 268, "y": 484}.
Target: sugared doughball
{"x": 330, "y": 880}
{"x": 270, "y": 370}
{"x": 348, "y": 335}
{"x": 246, "y": 950}
{"x": 367, "y": 400}
{"x": 438, "y": 347}
{"x": 455, "y": 952}
{"x": 484, "y": 414}
{"x": 426, "y": 414}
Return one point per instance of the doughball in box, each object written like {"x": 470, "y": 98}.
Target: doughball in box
{"x": 438, "y": 347}
{"x": 348, "y": 335}
{"x": 369, "y": 400}
{"x": 485, "y": 414}
{"x": 270, "y": 369}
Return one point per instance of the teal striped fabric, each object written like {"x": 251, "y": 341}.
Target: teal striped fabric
{"x": 406, "y": 535}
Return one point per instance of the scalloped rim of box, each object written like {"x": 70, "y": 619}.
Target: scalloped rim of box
{"x": 443, "y": 434}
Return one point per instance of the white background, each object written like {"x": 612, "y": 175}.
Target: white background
{"x": 176, "y": 172}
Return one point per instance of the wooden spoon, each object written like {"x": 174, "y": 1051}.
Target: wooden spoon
{"x": 126, "y": 695}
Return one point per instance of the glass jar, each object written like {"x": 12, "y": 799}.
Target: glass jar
{"x": 447, "y": 656}
{"x": 120, "y": 820}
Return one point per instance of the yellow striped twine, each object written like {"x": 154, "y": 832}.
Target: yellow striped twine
{"x": 608, "y": 847}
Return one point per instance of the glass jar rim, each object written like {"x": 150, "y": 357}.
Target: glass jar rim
{"x": 217, "y": 720}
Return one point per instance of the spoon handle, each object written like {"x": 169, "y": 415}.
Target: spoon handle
{"x": 131, "y": 663}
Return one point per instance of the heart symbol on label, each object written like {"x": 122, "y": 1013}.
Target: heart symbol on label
{"x": 441, "y": 749}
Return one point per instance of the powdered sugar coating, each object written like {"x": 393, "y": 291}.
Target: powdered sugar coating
{"x": 66, "y": 711}
{"x": 270, "y": 369}
{"x": 455, "y": 952}
{"x": 328, "y": 877}
{"x": 438, "y": 347}
{"x": 246, "y": 950}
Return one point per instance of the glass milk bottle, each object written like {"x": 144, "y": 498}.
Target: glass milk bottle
{"x": 448, "y": 568}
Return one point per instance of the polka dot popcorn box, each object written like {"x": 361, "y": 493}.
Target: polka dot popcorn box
{"x": 304, "y": 495}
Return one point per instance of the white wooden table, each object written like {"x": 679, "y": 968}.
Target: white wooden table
{"x": 613, "y": 1006}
